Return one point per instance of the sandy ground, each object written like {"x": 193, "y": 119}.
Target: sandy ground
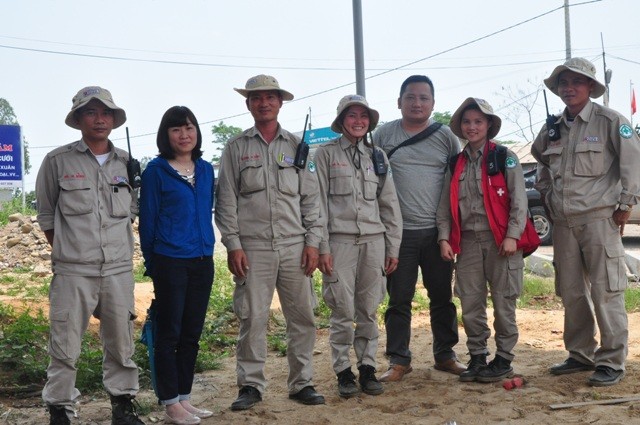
{"x": 425, "y": 396}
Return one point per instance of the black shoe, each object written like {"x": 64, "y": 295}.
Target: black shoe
{"x": 123, "y": 411}
{"x": 605, "y": 376}
{"x": 307, "y": 395}
{"x": 58, "y": 416}
{"x": 498, "y": 369}
{"x": 570, "y": 365}
{"x": 477, "y": 362}
{"x": 247, "y": 398}
{"x": 368, "y": 381}
{"x": 347, "y": 384}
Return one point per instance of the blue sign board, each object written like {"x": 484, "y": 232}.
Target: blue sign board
{"x": 10, "y": 157}
{"x": 320, "y": 135}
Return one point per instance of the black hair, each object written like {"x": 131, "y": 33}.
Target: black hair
{"x": 177, "y": 116}
{"x": 417, "y": 79}
{"x": 475, "y": 107}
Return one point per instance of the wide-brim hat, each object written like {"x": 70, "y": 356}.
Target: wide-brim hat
{"x": 485, "y": 108}
{"x": 261, "y": 83}
{"x": 85, "y": 96}
{"x": 581, "y": 66}
{"x": 350, "y": 100}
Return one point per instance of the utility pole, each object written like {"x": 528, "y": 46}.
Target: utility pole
{"x": 567, "y": 30}
{"x": 358, "y": 47}
{"x": 607, "y": 75}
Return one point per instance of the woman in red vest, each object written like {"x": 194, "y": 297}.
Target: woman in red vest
{"x": 481, "y": 219}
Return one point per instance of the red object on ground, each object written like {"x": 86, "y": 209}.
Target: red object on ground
{"x": 510, "y": 384}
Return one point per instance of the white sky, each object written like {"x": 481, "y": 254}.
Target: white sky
{"x": 307, "y": 45}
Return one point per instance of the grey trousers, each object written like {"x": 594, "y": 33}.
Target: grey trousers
{"x": 73, "y": 299}
{"x": 478, "y": 263}
{"x": 354, "y": 291}
{"x": 270, "y": 270}
{"x": 591, "y": 279}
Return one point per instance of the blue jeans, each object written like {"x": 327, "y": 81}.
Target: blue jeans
{"x": 182, "y": 289}
{"x": 419, "y": 249}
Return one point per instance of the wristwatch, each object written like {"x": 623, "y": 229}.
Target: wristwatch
{"x": 625, "y": 207}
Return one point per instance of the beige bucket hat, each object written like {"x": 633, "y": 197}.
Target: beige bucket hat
{"x": 581, "y": 66}
{"x": 485, "y": 108}
{"x": 263, "y": 82}
{"x": 85, "y": 96}
{"x": 350, "y": 100}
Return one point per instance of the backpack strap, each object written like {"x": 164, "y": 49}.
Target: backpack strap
{"x": 416, "y": 137}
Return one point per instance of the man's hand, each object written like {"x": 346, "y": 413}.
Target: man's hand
{"x": 620, "y": 218}
{"x": 326, "y": 264}
{"x": 446, "y": 252}
{"x": 508, "y": 247}
{"x": 309, "y": 260}
{"x": 238, "y": 263}
{"x": 390, "y": 265}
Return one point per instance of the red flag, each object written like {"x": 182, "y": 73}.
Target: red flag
{"x": 633, "y": 102}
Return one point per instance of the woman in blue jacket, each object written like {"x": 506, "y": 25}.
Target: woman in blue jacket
{"x": 176, "y": 238}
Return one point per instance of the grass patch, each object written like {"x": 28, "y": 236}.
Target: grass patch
{"x": 12, "y": 207}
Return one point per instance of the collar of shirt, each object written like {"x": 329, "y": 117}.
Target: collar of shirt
{"x": 584, "y": 115}
{"x": 468, "y": 152}
{"x": 346, "y": 144}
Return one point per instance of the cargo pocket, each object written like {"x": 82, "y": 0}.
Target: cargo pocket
{"x": 75, "y": 197}
{"x": 555, "y": 159}
{"x": 59, "y": 337}
{"x": 130, "y": 346}
{"x": 616, "y": 269}
{"x": 340, "y": 181}
{"x": 333, "y": 292}
{"x": 251, "y": 177}
{"x": 120, "y": 201}
{"x": 514, "y": 282}
{"x": 240, "y": 302}
{"x": 370, "y": 186}
{"x": 288, "y": 181}
{"x": 589, "y": 159}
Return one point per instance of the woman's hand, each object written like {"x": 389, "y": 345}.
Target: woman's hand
{"x": 508, "y": 247}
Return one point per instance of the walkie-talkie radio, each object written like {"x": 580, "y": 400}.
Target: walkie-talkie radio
{"x": 133, "y": 167}
{"x": 552, "y": 126}
{"x": 380, "y": 168}
{"x": 302, "y": 152}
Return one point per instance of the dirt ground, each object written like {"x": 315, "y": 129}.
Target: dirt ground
{"x": 425, "y": 396}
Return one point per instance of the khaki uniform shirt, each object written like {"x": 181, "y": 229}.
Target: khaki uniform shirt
{"x": 262, "y": 200}
{"x": 90, "y": 208}
{"x": 473, "y": 215}
{"x": 594, "y": 166}
{"x": 349, "y": 192}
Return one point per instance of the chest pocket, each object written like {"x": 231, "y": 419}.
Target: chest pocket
{"x": 555, "y": 159}
{"x": 120, "y": 201}
{"x": 370, "y": 186}
{"x": 589, "y": 159}
{"x": 340, "y": 181}
{"x": 288, "y": 182}
{"x": 251, "y": 177}
{"x": 75, "y": 197}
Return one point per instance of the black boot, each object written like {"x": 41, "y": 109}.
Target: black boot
{"x": 347, "y": 384}
{"x": 58, "y": 416}
{"x": 368, "y": 381}
{"x": 477, "y": 362}
{"x": 123, "y": 412}
{"x": 499, "y": 368}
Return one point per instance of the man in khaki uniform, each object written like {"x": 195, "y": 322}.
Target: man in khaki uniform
{"x": 85, "y": 208}
{"x": 268, "y": 214}
{"x": 590, "y": 180}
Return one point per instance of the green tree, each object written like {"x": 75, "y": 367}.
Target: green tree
{"x": 8, "y": 117}
{"x": 222, "y": 133}
{"x": 442, "y": 117}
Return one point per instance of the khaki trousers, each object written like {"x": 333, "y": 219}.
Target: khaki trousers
{"x": 73, "y": 299}
{"x": 591, "y": 279}
{"x": 354, "y": 291}
{"x": 478, "y": 263}
{"x": 269, "y": 270}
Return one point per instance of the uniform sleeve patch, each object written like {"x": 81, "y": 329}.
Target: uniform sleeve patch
{"x": 625, "y": 131}
{"x": 311, "y": 166}
{"x": 510, "y": 163}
